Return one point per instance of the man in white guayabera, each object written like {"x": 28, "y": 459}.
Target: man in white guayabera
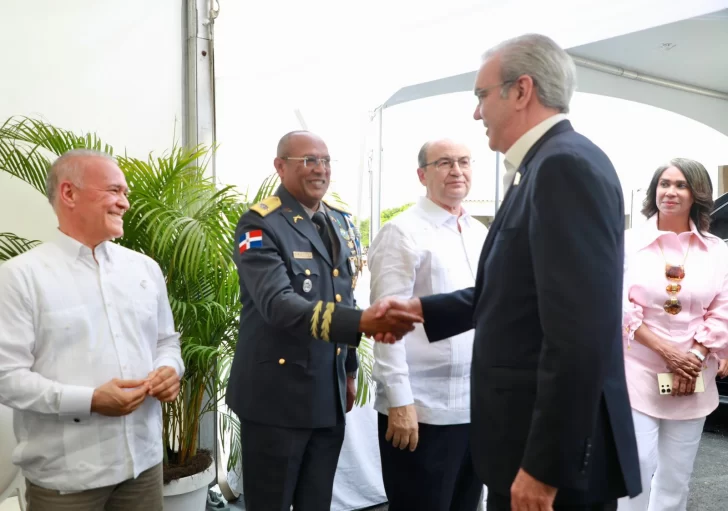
{"x": 88, "y": 350}
{"x": 423, "y": 388}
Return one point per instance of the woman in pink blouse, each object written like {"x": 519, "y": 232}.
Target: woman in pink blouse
{"x": 675, "y": 321}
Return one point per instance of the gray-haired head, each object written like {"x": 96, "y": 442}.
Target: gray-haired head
{"x": 552, "y": 70}
{"x": 69, "y": 167}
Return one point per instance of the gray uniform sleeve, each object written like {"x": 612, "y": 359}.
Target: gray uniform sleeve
{"x": 264, "y": 277}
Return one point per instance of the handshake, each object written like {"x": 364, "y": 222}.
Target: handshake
{"x": 388, "y": 319}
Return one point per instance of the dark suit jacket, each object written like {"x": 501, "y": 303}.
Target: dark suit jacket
{"x": 298, "y": 326}
{"x": 548, "y": 385}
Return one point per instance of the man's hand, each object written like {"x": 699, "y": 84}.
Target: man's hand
{"x": 164, "y": 384}
{"x": 119, "y": 397}
{"x": 402, "y": 427}
{"x": 382, "y": 318}
{"x": 386, "y": 305}
{"x": 350, "y": 393}
{"x": 530, "y": 494}
{"x": 723, "y": 368}
{"x": 685, "y": 365}
{"x": 683, "y": 386}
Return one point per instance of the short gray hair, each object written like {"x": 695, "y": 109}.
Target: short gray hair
{"x": 69, "y": 167}
{"x": 551, "y": 68}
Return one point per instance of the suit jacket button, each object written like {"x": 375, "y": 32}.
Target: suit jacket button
{"x": 307, "y": 272}
{"x": 282, "y": 361}
{"x": 336, "y": 272}
{"x": 338, "y": 298}
{"x": 338, "y": 351}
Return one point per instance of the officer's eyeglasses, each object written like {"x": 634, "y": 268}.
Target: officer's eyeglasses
{"x": 310, "y": 161}
{"x": 449, "y": 163}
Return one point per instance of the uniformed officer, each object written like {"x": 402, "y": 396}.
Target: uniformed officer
{"x": 292, "y": 378}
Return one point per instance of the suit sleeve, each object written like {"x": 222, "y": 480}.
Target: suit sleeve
{"x": 576, "y": 237}
{"x": 263, "y": 275}
{"x": 448, "y": 314}
{"x": 351, "y": 364}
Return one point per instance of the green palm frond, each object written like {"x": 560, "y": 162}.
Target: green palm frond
{"x": 267, "y": 188}
{"x": 36, "y": 132}
{"x": 12, "y": 245}
{"x": 364, "y": 382}
{"x": 27, "y": 147}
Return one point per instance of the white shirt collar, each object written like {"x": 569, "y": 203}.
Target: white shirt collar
{"x": 77, "y": 250}
{"x": 514, "y": 156}
{"x": 440, "y": 215}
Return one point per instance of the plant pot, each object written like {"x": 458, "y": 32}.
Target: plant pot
{"x": 189, "y": 493}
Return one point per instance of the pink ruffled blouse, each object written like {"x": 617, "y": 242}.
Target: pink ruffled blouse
{"x": 704, "y": 315}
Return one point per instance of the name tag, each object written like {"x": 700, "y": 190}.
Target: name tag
{"x": 303, "y": 255}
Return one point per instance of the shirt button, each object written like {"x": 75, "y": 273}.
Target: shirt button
{"x": 338, "y": 351}
{"x": 338, "y": 298}
{"x": 282, "y": 361}
{"x": 76, "y": 420}
{"x": 336, "y": 272}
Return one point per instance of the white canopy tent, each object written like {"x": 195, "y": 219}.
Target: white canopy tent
{"x": 677, "y": 65}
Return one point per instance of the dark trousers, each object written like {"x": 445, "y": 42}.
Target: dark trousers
{"x": 438, "y": 476}
{"x": 502, "y": 503}
{"x": 284, "y": 466}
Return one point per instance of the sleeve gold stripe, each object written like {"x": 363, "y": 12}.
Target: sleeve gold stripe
{"x": 326, "y": 323}
{"x": 315, "y": 318}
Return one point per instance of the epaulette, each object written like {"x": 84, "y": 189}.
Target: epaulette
{"x": 267, "y": 205}
{"x": 337, "y": 206}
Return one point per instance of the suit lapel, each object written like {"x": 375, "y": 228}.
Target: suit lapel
{"x": 495, "y": 227}
{"x": 299, "y": 219}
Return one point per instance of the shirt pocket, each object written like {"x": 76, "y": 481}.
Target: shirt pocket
{"x": 66, "y": 338}
{"x": 305, "y": 276}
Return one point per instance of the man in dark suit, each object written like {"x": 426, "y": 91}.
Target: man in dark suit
{"x": 292, "y": 378}
{"x": 551, "y": 421}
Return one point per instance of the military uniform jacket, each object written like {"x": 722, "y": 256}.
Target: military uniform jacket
{"x": 299, "y": 325}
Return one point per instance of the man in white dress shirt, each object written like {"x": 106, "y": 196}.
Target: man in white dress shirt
{"x": 423, "y": 388}
{"x": 88, "y": 350}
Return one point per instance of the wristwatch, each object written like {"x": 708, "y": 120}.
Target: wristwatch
{"x": 697, "y": 353}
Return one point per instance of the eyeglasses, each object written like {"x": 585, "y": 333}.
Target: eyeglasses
{"x": 310, "y": 161}
{"x": 675, "y": 274}
{"x": 443, "y": 163}
{"x": 481, "y": 93}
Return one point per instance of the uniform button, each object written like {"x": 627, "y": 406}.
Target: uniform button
{"x": 282, "y": 361}
{"x": 76, "y": 420}
{"x": 338, "y": 351}
{"x": 338, "y": 298}
{"x": 308, "y": 272}
{"x": 336, "y": 272}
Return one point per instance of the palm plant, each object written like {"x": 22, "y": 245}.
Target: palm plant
{"x": 185, "y": 223}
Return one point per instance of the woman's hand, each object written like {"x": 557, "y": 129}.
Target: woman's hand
{"x": 723, "y": 368}
{"x": 685, "y": 365}
{"x": 683, "y": 386}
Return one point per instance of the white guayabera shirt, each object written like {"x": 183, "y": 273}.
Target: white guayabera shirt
{"x": 419, "y": 253}
{"x": 69, "y": 324}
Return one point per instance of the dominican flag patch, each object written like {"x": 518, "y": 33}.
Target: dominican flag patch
{"x": 251, "y": 239}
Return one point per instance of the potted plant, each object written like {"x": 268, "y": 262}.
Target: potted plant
{"x": 185, "y": 223}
